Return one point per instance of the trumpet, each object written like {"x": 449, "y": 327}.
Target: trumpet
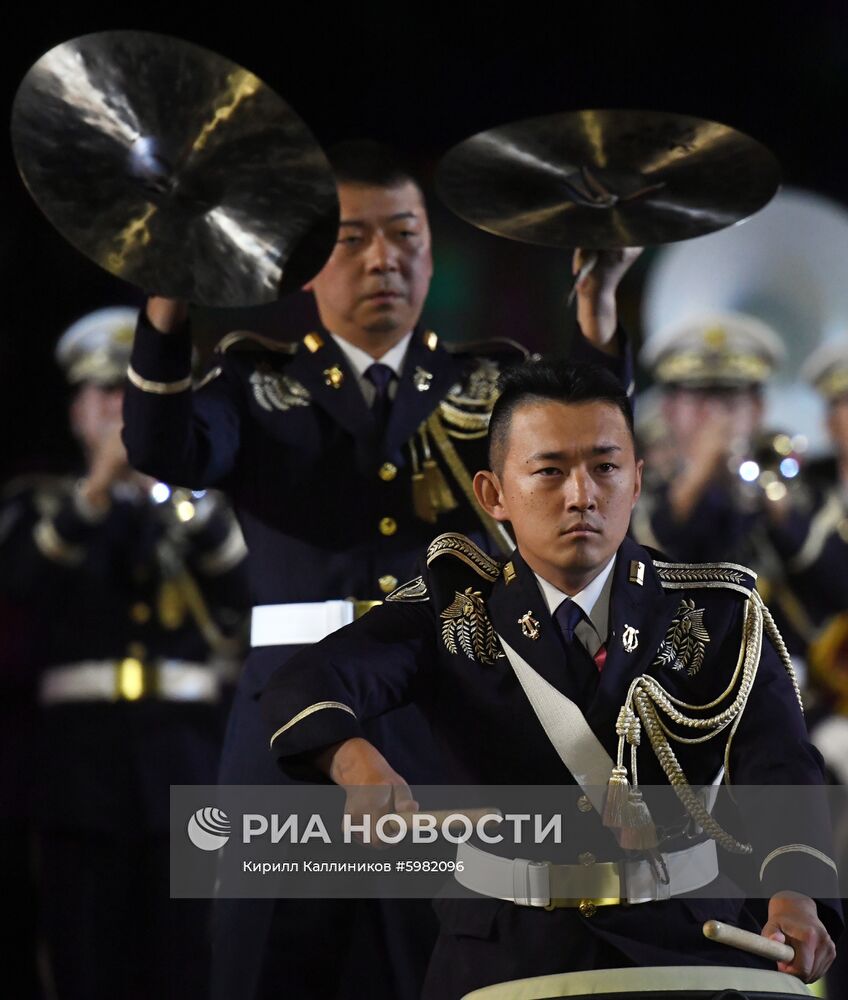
{"x": 770, "y": 467}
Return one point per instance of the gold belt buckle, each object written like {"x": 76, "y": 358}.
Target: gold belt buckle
{"x": 362, "y": 607}
{"x": 132, "y": 679}
{"x": 612, "y": 881}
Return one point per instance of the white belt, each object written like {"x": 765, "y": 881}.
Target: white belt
{"x": 541, "y": 884}
{"x": 302, "y": 624}
{"x": 129, "y": 680}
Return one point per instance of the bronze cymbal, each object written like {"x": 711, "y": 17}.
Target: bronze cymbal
{"x": 174, "y": 168}
{"x": 607, "y": 179}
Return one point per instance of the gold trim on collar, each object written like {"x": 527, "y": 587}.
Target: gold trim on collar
{"x": 158, "y": 388}
{"x": 314, "y": 342}
{"x": 508, "y": 573}
{"x": 431, "y": 341}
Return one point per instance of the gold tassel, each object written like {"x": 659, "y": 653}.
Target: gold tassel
{"x": 422, "y": 501}
{"x": 615, "y": 805}
{"x": 638, "y": 832}
{"x": 441, "y": 496}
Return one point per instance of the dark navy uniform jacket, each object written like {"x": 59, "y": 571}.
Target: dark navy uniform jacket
{"x": 412, "y": 648}
{"x": 113, "y": 590}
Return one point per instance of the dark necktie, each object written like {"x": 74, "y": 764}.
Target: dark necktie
{"x": 583, "y": 669}
{"x": 568, "y": 616}
{"x": 380, "y": 376}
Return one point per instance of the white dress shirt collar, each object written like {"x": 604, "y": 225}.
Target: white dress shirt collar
{"x": 359, "y": 360}
{"x": 593, "y": 599}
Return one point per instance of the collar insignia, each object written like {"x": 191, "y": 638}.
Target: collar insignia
{"x": 637, "y": 572}
{"x": 630, "y": 638}
{"x": 333, "y": 377}
{"x": 421, "y": 379}
{"x": 529, "y": 626}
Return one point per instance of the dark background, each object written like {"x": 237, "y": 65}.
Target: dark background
{"x": 423, "y": 80}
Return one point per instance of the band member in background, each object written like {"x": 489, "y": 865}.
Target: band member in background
{"x": 139, "y": 592}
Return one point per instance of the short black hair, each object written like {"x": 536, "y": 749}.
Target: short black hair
{"x": 557, "y": 380}
{"x": 368, "y": 162}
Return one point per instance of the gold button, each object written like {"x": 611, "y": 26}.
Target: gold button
{"x": 586, "y": 858}
{"x": 387, "y": 472}
{"x": 388, "y": 584}
{"x": 137, "y": 651}
{"x": 587, "y": 908}
{"x": 388, "y": 526}
{"x": 140, "y": 613}
{"x": 583, "y": 804}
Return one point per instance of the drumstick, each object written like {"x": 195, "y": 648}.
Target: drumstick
{"x": 440, "y": 815}
{"x": 735, "y": 937}
{"x": 585, "y": 270}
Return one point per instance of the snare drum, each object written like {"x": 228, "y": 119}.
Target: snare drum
{"x": 671, "y": 982}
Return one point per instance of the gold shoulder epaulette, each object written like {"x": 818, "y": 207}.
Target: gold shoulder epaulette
{"x": 415, "y": 591}
{"x": 460, "y": 547}
{"x": 466, "y": 408}
{"x": 246, "y": 340}
{"x": 722, "y": 575}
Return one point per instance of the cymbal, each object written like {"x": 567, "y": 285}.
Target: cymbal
{"x": 174, "y": 168}
{"x": 607, "y": 179}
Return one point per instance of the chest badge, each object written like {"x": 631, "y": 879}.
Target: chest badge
{"x": 466, "y": 627}
{"x": 275, "y": 391}
{"x": 630, "y": 639}
{"x": 421, "y": 379}
{"x": 685, "y": 640}
{"x": 529, "y": 626}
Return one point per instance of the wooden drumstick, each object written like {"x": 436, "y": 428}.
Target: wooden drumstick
{"x": 585, "y": 271}
{"x": 735, "y": 937}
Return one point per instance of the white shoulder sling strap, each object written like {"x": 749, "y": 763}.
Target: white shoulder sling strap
{"x": 567, "y": 729}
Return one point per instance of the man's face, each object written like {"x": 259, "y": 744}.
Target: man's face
{"x": 737, "y": 412}
{"x": 568, "y": 485}
{"x": 95, "y": 412}
{"x": 373, "y": 287}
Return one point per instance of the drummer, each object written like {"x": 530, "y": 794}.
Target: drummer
{"x": 577, "y": 612}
